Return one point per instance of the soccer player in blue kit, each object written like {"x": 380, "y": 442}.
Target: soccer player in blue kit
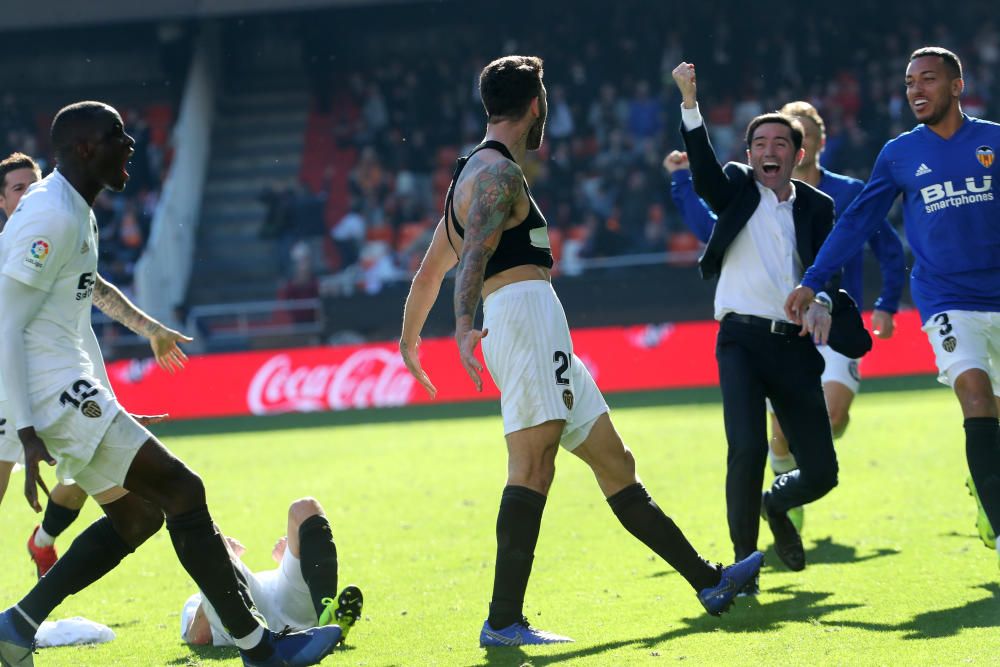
{"x": 841, "y": 378}
{"x": 945, "y": 169}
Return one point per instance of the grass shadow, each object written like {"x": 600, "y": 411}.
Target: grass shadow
{"x": 514, "y": 656}
{"x": 825, "y": 550}
{"x": 983, "y": 613}
{"x": 747, "y": 615}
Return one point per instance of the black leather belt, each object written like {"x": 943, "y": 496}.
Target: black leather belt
{"x": 774, "y": 326}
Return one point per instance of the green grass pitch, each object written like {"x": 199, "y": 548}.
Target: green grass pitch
{"x": 895, "y": 576}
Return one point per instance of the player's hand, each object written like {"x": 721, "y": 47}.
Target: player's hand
{"x": 168, "y": 355}
{"x": 797, "y": 303}
{"x": 817, "y": 322}
{"x": 34, "y": 452}
{"x": 882, "y": 323}
{"x": 676, "y": 160}
{"x": 278, "y": 552}
{"x": 410, "y": 351}
{"x": 146, "y": 420}
{"x": 467, "y": 341}
{"x": 685, "y": 79}
{"x": 235, "y": 546}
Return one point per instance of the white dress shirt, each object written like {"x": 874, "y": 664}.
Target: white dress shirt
{"x": 762, "y": 265}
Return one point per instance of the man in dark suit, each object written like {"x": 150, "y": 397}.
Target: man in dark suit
{"x": 769, "y": 227}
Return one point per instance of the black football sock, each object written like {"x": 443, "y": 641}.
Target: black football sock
{"x": 202, "y": 552}
{"x": 95, "y": 552}
{"x": 58, "y": 518}
{"x": 642, "y": 517}
{"x": 318, "y": 560}
{"x": 982, "y": 449}
{"x": 518, "y": 523}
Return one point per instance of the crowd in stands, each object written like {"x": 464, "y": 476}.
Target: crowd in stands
{"x": 403, "y": 104}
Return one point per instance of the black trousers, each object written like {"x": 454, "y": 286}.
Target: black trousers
{"x": 755, "y": 364}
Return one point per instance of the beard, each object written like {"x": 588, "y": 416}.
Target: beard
{"x": 534, "y": 139}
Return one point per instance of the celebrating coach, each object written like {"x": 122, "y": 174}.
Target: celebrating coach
{"x": 769, "y": 226}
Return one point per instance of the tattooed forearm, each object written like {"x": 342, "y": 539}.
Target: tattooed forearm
{"x": 110, "y": 301}
{"x": 495, "y": 191}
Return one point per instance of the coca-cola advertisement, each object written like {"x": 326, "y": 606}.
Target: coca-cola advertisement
{"x": 636, "y": 358}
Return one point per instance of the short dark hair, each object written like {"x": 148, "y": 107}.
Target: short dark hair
{"x": 507, "y": 85}
{"x": 951, "y": 61}
{"x": 72, "y": 123}
{"x": 16, "y": 161}
{"x": 793, "y": 124}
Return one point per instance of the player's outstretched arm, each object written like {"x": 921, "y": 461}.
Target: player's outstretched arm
{"x": 495, "y": 190}
{"x": 695, "y": 213}
{"x": 21, "y": 304}
{"x": 424, "y": 290}
{"x": 163, "y": 340}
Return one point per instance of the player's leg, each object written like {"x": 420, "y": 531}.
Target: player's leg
{"x": 63, "y": 508}
{"x": 128, "y": 522}
{"x": 530, "y": 470}
{"x": 841, "y": 381}
{"x": 158, "y": 476}
{"x": 5, "y": 469}
{"x": 310, "y": 541}
{"x": 982, "y": 438}
{"x": 614, "y": 467}
{"x": 967, "y": 353}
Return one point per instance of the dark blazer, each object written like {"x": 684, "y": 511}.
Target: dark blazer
{"x": 733, "y": 195}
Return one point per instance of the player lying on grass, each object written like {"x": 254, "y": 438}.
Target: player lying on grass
{"x": 297, "y": 594}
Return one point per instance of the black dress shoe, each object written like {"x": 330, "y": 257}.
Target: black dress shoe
{"x": 787, "y": 543}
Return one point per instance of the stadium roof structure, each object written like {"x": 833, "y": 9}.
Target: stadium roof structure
{"x": 70, "y": 13}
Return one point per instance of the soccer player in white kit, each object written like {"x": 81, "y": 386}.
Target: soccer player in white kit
{"x": 547, "y": 396}
{"x": 298, "y": 594}
{"x": 56, "y": 402}
{"x": 17, "y": 173}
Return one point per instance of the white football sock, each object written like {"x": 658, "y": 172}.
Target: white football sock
{"x": 43, "y": 539}
{"x": 782, "y": 464}
{"x": 251, "y": 640}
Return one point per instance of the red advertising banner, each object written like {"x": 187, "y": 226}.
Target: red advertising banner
{"x": 636, "y": 358}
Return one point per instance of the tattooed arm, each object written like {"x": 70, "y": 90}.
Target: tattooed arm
{"x": 495, "y": 191}
{"x": 162, "y": 340}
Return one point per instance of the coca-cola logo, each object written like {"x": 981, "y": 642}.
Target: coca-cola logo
{"x": 370, "y": 377}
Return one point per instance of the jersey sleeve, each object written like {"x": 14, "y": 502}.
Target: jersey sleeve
{"x": 695, "y": 213}
{"x": 36, "y": 248}
{"x": 855, "y": 225}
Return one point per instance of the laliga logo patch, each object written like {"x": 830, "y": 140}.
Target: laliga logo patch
{"x": 38, "y": 252}
{"x": 949, "y": 344}
{"x": 91, "y": 409}
{"x": 985, "y": 156}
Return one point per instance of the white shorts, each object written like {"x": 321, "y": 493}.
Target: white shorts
{"x": 529, "y": 353}
{"x": 113, "y": 458}
{"x": 11, "y": 450}
{"x": 840, "y": 369}
{"x": 965, "y": 339}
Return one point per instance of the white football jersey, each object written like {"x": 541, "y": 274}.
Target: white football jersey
{"x": 50, "y": 243}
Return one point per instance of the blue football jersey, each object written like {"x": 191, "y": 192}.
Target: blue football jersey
{"x": 951, "y": 215}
